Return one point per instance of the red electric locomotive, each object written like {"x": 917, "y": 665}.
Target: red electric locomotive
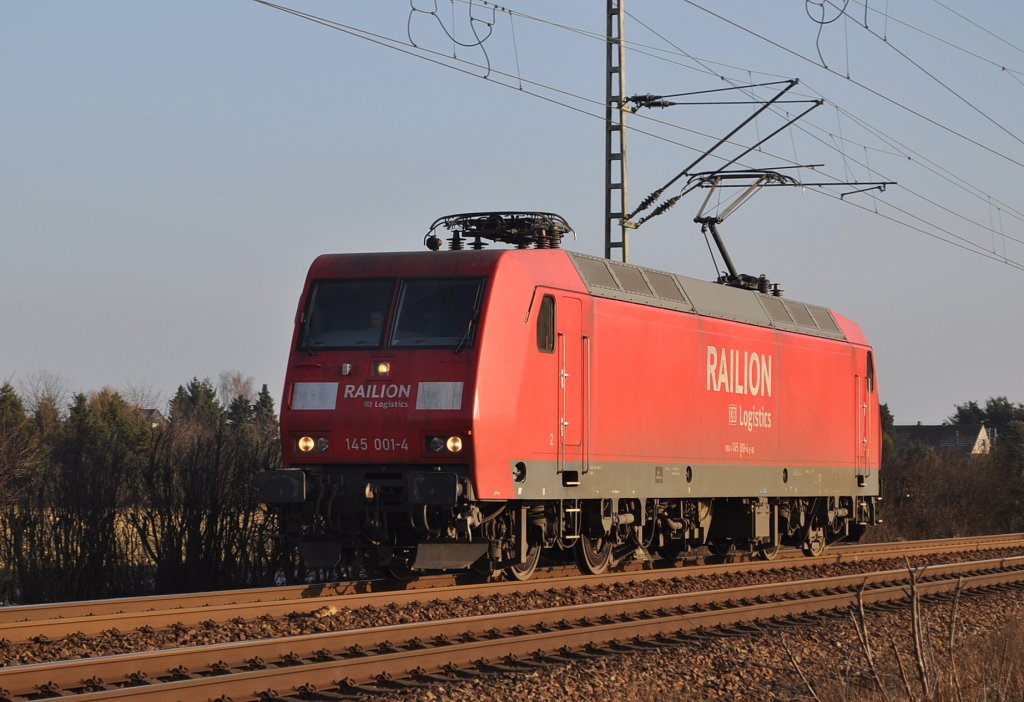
{"x": 471, "y": 408}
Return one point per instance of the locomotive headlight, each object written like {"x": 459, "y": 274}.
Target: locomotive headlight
{"x": 306, "y": 444}
{"x": 321, "y": 444}
{"x": 382, "y": 368}
{"x": 441, "y": 444}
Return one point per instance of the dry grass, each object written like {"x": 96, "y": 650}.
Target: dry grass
{"x": 924, "y": 655}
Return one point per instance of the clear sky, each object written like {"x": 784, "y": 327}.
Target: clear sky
{"x": 169, "y": 170}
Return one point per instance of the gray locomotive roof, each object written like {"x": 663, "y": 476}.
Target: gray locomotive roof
{"x": 645, "y": 286}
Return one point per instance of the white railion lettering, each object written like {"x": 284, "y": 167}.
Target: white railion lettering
{"x": 746, "y": 374}
{"x": 754, "y": 374}
{"x": 712, "y": 365}
{"x": 377, "y": 392}
{"x": 732, "y": 370}
{"x": 723, "y": 374}
{"x": 742, "y": 374}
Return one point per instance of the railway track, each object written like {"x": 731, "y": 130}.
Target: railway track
{"x": 336, "y": 664}
{"x": 56, "y": 621}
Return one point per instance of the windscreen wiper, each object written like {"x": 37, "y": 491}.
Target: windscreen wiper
{"x": 307, "y": 318}
{"x": 472, "y": 320}
{"x": 307, "y": 346}
{"x": 465, "y": 337}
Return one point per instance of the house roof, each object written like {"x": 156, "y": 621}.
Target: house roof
{"x": 958, "y": 438}
{"x": 153, "y": 417}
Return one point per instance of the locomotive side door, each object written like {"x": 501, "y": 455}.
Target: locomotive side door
{"x": 863, "y": 394}
{"x": 571, "y": 379}
{"x": 866, "y": 418}
{"x": 860, "y": 449}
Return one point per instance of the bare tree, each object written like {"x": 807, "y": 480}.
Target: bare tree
{"x": 43, "y": 390}
{"x": 142, "y": 395}
{"x": 233, "y": 384}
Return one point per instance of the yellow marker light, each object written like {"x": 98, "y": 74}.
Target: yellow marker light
{"x": 382, "y": 368}
{"x": 306, "y": 444}
{"x": 454, "y": 444}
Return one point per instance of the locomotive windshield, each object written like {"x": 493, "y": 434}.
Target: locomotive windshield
{"x": 438, "y": 312}
{"x": 347, "y": 314}
{"x": 432, "y": 312}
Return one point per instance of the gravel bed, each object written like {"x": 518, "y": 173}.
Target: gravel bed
{"x": 332, "y": 619}
{"x": 988, "y": 653}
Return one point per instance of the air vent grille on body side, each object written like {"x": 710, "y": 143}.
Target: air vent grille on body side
{"x": 776, "y": 310}
{"x": 800, "y": 314}
{"x": 665, "y": 286}
{"x": 824, "y": 319}
{"x": 595, "y": 272}
{"x": 631, "y": 279}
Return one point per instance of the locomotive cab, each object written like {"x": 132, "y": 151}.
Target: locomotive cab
{"x": 377, "y": 425}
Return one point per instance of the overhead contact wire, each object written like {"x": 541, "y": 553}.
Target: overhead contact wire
{"x": 867, "y": 88}
{"x": 418, "y": 52}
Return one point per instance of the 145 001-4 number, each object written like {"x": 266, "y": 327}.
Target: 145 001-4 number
{"x": 362, "y": 443}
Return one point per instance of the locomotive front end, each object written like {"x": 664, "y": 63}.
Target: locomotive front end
{"x": 376, "y": 423}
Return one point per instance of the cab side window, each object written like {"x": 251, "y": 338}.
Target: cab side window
{"x": 546, "y": 325}
{"x": 871, "y": 372}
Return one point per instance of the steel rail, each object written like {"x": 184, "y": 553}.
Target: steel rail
{"x": 22, "y": 624}
{"x": 710, "y": 565}
{"x": 696, "y": 609}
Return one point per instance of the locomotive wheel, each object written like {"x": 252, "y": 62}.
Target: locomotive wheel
{"x": 671, "y": 552}
{"x": 644, "y": 535}
{"x": 722, "y": 548}
{"x": 523, "y": 571}
{"x": 814, "y": 544}
{"x": 768, "y": 551}
{"x": 593, "y": 555}
{"x": 399, "y": 570}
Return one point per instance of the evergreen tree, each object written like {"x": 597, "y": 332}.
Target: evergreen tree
{"x": 1011, "y": 447}
{"x": 19, "y": 449}
{"x": 94, "y": 503}
{"x": 240, "y": 412}
{"x": 888, "y": 434}
{"x": 63, "y": 535}
{"x": 264, "y": 415}
{"x": 12, "y": 409}
{"x": 968, "y": 413}
{"x": 997, "y": 413}
{"x": 197, "y": 401}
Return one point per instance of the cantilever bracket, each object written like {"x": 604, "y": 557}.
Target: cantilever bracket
{"x": 880, "y": 188}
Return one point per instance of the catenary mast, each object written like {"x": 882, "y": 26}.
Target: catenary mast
{"x": 616, "y": 196}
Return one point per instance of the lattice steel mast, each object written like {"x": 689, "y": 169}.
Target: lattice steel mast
{"x": 616, "y": 194}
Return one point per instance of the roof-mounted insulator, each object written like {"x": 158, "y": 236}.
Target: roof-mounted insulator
{"x": 524, "y": 230}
